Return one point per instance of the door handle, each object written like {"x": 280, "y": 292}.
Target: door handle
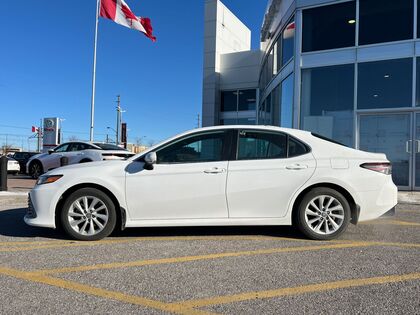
{"x": 215, "y": 170}
{"x": 407, "y": 146}
{"x": 296, "y": 167}
{"x": 418, "y": 146}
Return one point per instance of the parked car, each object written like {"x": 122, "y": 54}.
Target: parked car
{"x": 23, "y": 158}
{"x": 225, "y": 175}
{"x": 12, "y": 166}
{"x": 76, "y": 152}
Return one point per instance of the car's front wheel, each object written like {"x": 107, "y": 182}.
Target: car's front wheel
{"x": 35, "y": 169}
{"x": 323, "y": 214}
{"x": 88, "y": 214}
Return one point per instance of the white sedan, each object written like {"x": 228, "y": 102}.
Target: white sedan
{"x": 75, "y": 152}
{"x": 227, "y": 175}
{"x": 13, "y": 166}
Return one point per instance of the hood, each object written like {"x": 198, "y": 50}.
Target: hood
{"x": 97, "y": 166}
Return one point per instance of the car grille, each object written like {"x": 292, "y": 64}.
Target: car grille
{"x": 30, "y": 212}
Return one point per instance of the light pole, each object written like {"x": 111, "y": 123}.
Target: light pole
{"x": 61, "y": 129}
{"x": 112, "y": 130}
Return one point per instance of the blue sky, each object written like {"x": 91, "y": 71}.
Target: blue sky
{"x": 46, "y": 66}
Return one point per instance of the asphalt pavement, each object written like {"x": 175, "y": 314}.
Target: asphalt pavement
{"x": 374, "y": 268}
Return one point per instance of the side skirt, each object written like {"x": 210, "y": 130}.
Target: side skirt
{"x": 210, "y": 222}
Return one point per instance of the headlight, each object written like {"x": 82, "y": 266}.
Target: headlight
{"x": 48, "y": 179}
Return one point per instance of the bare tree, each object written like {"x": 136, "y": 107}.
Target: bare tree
{"x": 73, "y": 138}
{"x": 150, "y": 142}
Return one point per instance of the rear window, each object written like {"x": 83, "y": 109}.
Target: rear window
{"x": 327, "y": 139}
{"x": 109, "y": 147}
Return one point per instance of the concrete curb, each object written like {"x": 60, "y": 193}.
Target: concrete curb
{"x": 409, "y": 197}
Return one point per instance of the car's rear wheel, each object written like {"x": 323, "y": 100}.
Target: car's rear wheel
{"x": 88, "y": 215}
{"x": 35, "y": 169}
{"x": 323, "y": 214}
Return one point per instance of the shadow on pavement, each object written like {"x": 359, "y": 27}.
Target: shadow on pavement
{"x": 12, "y": 225}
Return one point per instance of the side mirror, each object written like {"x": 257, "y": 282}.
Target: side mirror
{"x": 50, "y": 151}
{"x": 149, "y": 160}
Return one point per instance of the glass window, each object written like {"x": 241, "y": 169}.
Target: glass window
{"x": 385, "y": 84}
{"x": 261, "y": 145}
{"x": 229, "y": 101}
{"x": 385, "y": 21}
{"x": 328, "y": 27}
{"x": 62, "y": 148}
{"x": 247, "y": 100}
{"x": 286, "y": 107}
{"x": 288, "y": 42}
{"x": 246, "y": 121}
{"x": 270, "y": 66}
{"x": 228, "y": 121}
{"x": 296, "y": 148}
{"x": 328, "y": 102}
{"x": 206, "y": 147}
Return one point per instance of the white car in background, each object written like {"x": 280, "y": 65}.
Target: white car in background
{"x": 225, "y": 175}
{"x": 76, "y": 152}
{"x": 12, "y": 166}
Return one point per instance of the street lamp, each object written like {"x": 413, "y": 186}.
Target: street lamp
{"x": 107, "y": 139}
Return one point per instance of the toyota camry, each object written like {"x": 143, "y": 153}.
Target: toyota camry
{"x": 226, "y": 175}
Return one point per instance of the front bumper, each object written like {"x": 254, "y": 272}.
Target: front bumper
{"x": 41, "y": 207}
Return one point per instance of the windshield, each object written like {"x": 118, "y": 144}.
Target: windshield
{"x": 109, "y": 147}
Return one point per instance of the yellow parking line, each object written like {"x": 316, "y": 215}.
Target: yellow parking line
{"x": 182, "y": 259}
{"x": 86, "y": 289}
{"x": 311, "y": 288}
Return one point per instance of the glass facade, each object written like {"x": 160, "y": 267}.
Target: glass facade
{"x": 366, "y": 97}
{"x": 328, "y": 102}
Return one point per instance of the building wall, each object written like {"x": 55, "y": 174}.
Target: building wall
{"x": 223, "y": 33}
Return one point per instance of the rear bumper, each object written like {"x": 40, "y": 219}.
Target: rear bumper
{"x": 374, "y": 204}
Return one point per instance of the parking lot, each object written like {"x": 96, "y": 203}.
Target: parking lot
{"x": 373, "y": 268}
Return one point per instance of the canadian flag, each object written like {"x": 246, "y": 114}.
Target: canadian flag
{"x": 119, "y": 12}
{"x": 34, "y": 129}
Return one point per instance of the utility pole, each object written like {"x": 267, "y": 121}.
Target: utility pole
{"x": 39, "y": 136}
{"x": 118, "y": 120}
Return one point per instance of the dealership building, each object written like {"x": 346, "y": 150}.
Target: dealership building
{"x": 348, "y": 70}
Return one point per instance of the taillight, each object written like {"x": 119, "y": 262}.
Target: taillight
{"x": 384, "y": 168}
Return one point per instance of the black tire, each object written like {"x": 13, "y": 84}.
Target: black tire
{"x": 303, "y": 220}
{"x": 66, "y": 220}
{"x": 35, "y": 169}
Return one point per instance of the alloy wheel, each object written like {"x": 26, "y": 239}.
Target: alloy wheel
{"x": 324, "y": 215}
{"x": 88, "y": 215}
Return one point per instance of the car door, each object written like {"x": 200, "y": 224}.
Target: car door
{"x": 75, "y": 153}
{"x": 52, "y": 160}
{"x": 269, "y": 168}
{"x": 187, "y": 182}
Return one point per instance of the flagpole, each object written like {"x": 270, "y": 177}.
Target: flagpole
{"x": 92, "y": 109}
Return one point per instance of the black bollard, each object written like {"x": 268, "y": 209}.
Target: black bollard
{"x": 64, "y": 160}
{"x": 3, "y": 173}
